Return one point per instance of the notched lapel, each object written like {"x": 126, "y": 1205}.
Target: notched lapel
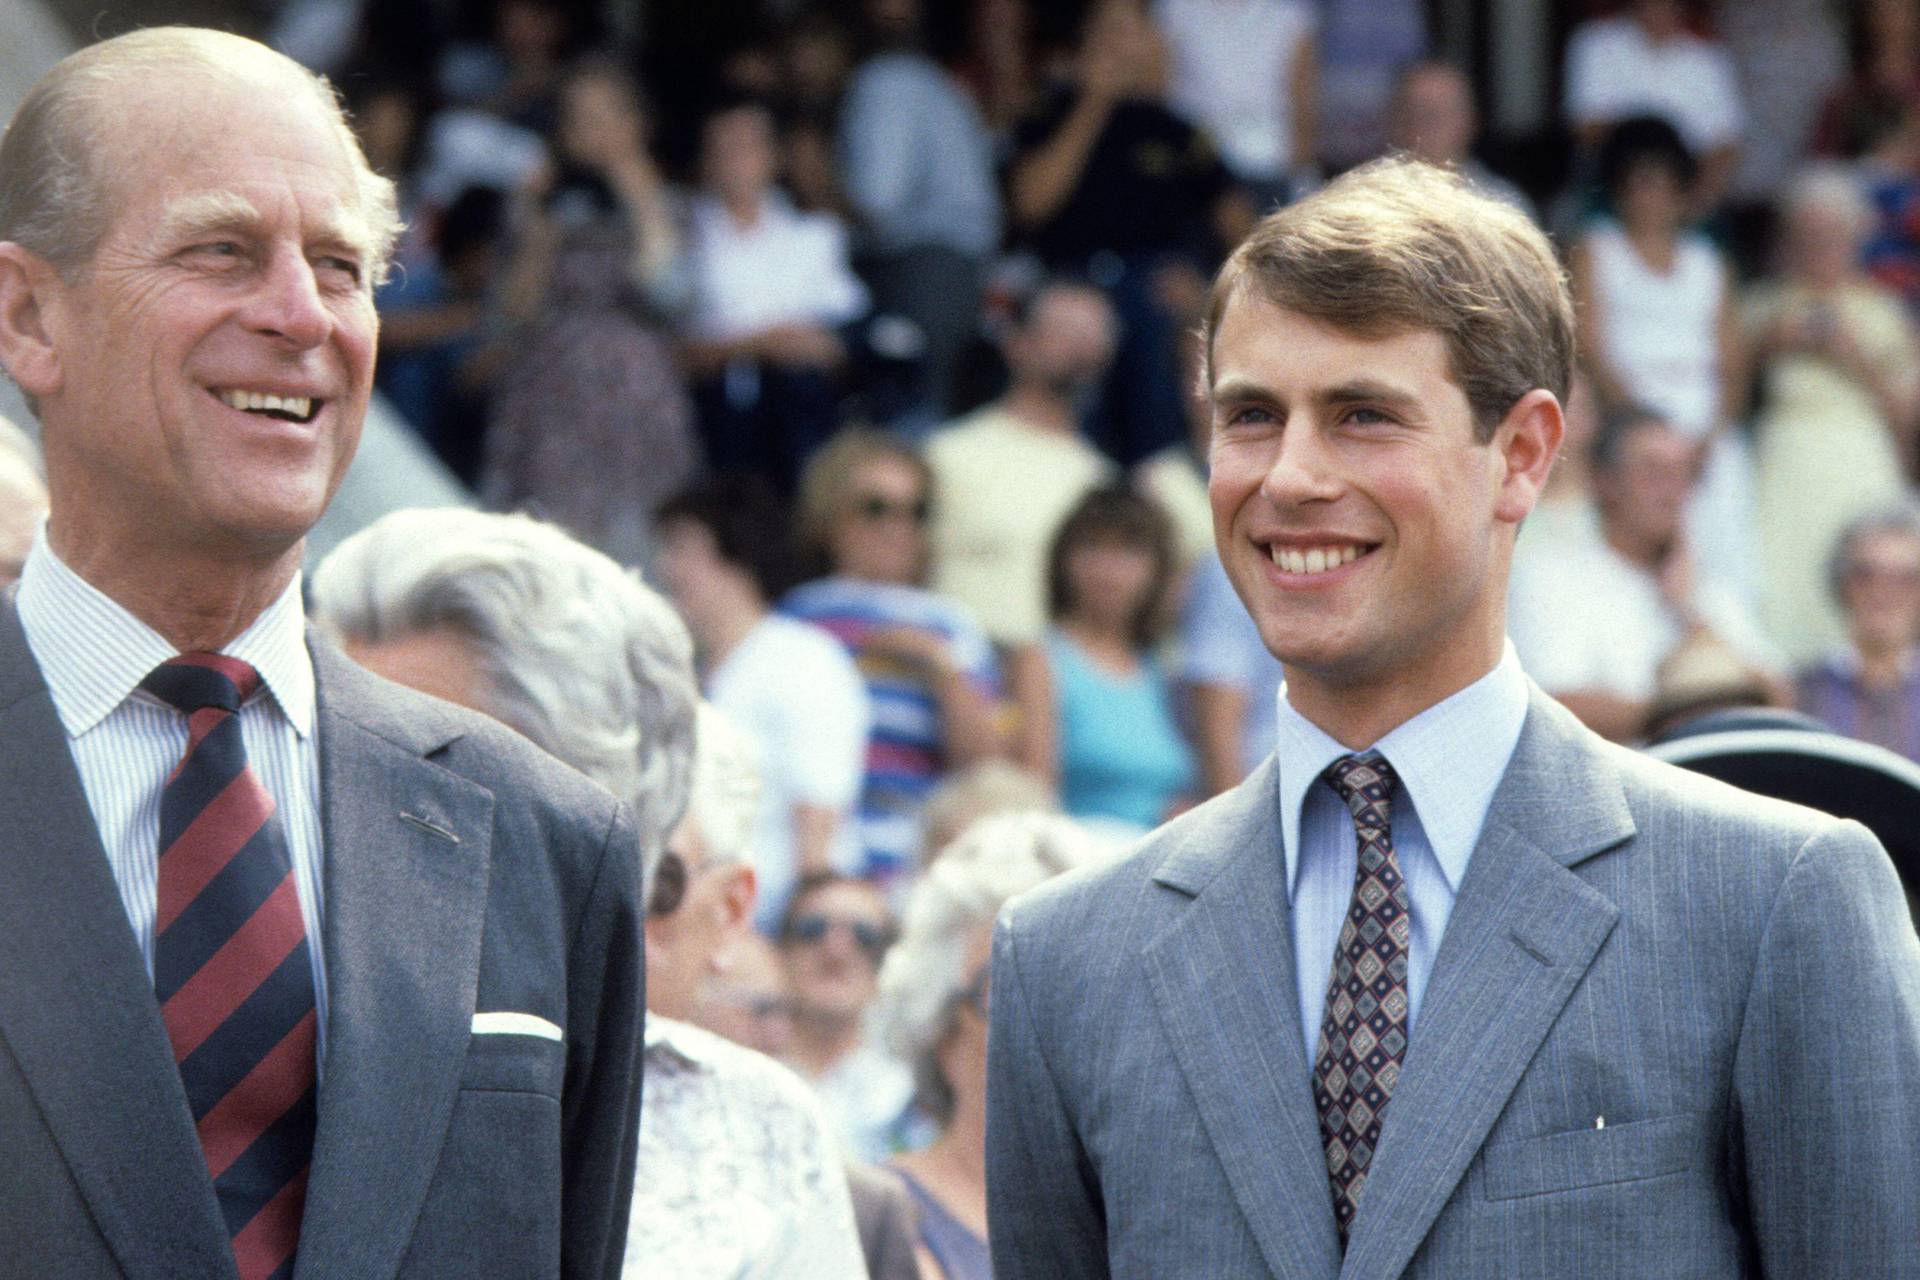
{"x": 408, "y": 847}
{"x": 77, "y": 1010}
{"x": 1523, "y": 933}
{"x": 1222, "y": 979}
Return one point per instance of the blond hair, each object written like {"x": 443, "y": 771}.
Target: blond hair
{"x": 55, "y": 196}
{"x": 827, "y": 483}
{"x": 1399, "y": 245}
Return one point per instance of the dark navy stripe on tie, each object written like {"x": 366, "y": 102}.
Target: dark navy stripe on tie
{"x": 204, "y": 925}
{"x": 207, "y": 771}
{"x": 262, "y": 1021}
{"x": 266, "y": 1167}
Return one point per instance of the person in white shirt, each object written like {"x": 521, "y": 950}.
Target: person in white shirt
{"x": 1646, "y": 61}
{"x": 773, "y": 289}
{"x": 788, "y": 686}
{"x": 1248, "y": 73}
{"x": 1592, "y": 623}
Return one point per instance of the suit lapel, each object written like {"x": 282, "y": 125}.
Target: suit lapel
{"x": 1523, "y": 932}
{"x": 408, "y": 847}
{"x": 77, "y": 1011}
{"x": 1222, "y": 978}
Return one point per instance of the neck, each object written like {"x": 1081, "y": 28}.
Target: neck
{"x": 1637, "y": 551}
{"x": 819, "y": 1041}
{"x": 724, "y": 624}
{"x": 1104, "y": 638}
{"x": 1357, "y": 713}
{"x": 1038, "y": 407}
{"x": 1881, "y": 665}
{"x": 198, "y": 600}
{"x": 743, "y": 208}
{"x": 960, "y": 1152}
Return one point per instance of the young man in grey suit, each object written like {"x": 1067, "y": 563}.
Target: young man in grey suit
{"x": 1449, "y": 987}
{"x": 300, "y": 973}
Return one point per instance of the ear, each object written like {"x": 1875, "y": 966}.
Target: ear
{"x": 30, "y": 290}
{"x": 1526, "y": 443}
{"x": 737, "y": 898}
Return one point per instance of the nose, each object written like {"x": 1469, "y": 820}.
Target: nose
{"x": 287, "y": 303}
{"x": 1301, "y": 470}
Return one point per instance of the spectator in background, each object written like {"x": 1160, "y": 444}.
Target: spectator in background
{"x": 1364, "y": 44}
{"x": 514, "y": 73}
{"x": 1232, "y": 681}
{"x": 772, "y": 289}
{"x": 1248, "y": 72}
{"x": 1007, "y": 473}
{"x": 1564, "y": 520}
{"x": 1885, "y": 74}
{"x": 1884, "y": 143}
{"x": 23, "y": 499}
{"x": 590, "y": 423}
{"x": 1646, "y": 62}
{"x": 932, "y": 1013}
{"x": 918, "y": 170}
{"x": 1176, "y": 476}
{"x": 990, "y": 787}
{"x": 1432, "y": 116}
{"x": 833, "y": 936}
{"x": 1107, "y": 183}
{"x": 789, "y": 687}
{"x": 1869, "y": 688}
{"x": 1835, "y": 429}
{"x": 929, "y": 668}
{"x": 1593, "y": 628}
{"x": 1118, "y": 754}
{"x": 1659, "y": 327}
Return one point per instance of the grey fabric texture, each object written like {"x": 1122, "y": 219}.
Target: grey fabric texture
{"x": 465, "y": 871}
{"x": 1673, "y": 1030}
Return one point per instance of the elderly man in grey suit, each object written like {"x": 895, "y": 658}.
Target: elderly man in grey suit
{"x": 1449, "y": 987}
{"x": 301, "y": 974}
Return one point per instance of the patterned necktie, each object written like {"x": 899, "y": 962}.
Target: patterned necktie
{"x": 1363, "y": 1034}
{"x": 231, "y": 967}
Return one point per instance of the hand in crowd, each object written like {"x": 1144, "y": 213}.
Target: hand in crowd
{"x": 801, "y": 346}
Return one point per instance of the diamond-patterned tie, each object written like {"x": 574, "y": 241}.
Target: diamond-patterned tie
{"x": 1363, "y": 1034}
{"x": 231, "y": 967}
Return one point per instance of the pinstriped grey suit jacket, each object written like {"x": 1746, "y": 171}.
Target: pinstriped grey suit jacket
{"x": 1733, "y": 983}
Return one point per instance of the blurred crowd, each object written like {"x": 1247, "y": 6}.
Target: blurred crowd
{"x": 866, "y": 334}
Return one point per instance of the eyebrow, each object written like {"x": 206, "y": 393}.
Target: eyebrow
{"x": 225, "y": 211}
{"x": 1240, "y": 390}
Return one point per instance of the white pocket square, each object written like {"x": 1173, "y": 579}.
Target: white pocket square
{"x": 514, "y": 1024}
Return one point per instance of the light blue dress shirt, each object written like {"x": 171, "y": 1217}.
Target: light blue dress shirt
{"x": 1449, "y": 759}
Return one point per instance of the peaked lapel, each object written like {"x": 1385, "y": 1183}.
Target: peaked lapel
{"x": 1523, "y": 932}
{"x": 408, "y": 848}
{"x": 1222, "y": 978}
{"x": 77, "y": 1010}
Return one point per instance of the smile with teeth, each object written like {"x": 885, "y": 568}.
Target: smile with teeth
{"x": 1314, "y": 559}
{"x": 285, "y": 408}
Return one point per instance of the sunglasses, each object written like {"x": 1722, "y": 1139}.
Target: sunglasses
{"x": 875, "y": 508}
{"x": 813, "y": 929}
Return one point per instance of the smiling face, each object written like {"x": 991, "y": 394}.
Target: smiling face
{"x": 1363, "y": 523}
{"x": 209, "y": 368}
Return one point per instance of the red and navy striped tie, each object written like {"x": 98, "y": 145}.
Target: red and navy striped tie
{"x": 231, "y": 967}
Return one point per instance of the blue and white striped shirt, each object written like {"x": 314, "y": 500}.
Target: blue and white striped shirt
{"x": 1449, "y": 760}
{"x": 93, "y": 655}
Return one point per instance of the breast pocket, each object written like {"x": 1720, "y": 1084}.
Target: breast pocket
{"x": 1592, "y": 1157}
{"x": 512, "y": 1063}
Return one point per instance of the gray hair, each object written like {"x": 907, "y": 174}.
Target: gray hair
{"x": 579, "y": 654}
{"x": 54, "y": 181}
{"x": 724, "y": 802}
{"x": 1829, "y": 188}
{"x": 925, "y": 972}
{"x": 1902, "y": 520}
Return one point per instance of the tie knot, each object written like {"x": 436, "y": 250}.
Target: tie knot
{"x": 195, "y": 681}
{"x": 1366, "y": 784}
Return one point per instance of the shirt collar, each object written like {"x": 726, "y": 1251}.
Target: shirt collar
{"x": 669, "y": 1041}
{"x": 1449, "y": 760}
{"x": 93, "y": 653}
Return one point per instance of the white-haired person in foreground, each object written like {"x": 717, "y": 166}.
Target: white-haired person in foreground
{"x": 932, "y": 1013}
{"x": 736, "y": 1175}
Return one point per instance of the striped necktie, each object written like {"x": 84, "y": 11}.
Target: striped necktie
{"x": 1363, "y": 1036}
{"x": 231, "y": 968}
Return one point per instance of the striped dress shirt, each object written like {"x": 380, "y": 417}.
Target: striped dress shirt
{"x": 93, "y": 655}
{"x": 1449, "y": 759}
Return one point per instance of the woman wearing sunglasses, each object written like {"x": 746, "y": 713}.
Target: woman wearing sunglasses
{"x": 928, "y": 667}
{"x": 932, "y": 1013}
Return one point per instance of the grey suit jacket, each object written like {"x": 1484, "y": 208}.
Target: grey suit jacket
{"x": 1730, "y": 982}
{"x": 465, "y": 871}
